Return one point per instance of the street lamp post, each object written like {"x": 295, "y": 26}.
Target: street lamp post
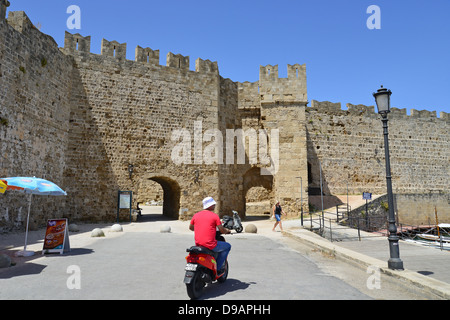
{"x": 382, "y": 99}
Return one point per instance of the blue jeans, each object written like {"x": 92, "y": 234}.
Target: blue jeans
{"x": 223, "y": 248}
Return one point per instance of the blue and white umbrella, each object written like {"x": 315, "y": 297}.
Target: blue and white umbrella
{"x": 32, "y": 186}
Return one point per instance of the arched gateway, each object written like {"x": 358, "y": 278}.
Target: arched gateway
{"x": 171, "y": 195}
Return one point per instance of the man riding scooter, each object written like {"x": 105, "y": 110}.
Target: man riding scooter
{"x": 204, "y": 224}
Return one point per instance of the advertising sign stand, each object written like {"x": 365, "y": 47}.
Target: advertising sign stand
{"x": 56, "y": 237}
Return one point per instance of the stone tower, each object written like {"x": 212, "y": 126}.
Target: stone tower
{"x": 283, "y": 102}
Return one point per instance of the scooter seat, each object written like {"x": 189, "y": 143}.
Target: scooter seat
{"x": 204, "y": 250}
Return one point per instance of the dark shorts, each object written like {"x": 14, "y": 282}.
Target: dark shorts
{"x": 278, "y": 217}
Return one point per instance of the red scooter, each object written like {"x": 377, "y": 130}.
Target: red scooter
{"x": 201, "y": 268}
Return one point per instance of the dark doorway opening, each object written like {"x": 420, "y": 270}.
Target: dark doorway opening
{"x": 159, "y": 198}
{"x": 257, "y": 193}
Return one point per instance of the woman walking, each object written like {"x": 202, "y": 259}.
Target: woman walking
{"x": 277, "y": 211}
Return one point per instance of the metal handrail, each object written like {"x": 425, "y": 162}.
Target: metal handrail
{"x": 323, "y": 225}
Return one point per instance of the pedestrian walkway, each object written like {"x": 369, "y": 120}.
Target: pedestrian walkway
{"x": 425, "y": 267}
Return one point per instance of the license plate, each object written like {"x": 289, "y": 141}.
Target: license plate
{"x": 191, "y": 267}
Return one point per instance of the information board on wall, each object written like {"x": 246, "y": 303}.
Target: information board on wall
{"x": 56, "y": 237}
{"x": 124, "y": 201}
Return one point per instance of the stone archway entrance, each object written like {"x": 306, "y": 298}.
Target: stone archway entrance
{"x": 171, "y": 194}
{"x": 257, "y": 192}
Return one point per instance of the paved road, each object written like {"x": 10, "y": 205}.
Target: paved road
{"x": 142, "y": 263}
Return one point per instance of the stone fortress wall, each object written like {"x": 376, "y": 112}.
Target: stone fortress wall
{"x": 79, "y": 119}
{"x": 350, "y": 144}
{"x": 350, "y": 148}
{"x": 132, "y": 107}
{"x": 35, "y": 81}
{"x": 135, "y": 106}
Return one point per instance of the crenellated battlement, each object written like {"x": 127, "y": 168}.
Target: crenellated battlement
{"x": 268, "y": 72}
{"x": 270, "y": 87}
{"x": 206, "y": 66}
{"x": 114, "y": 49}
{"x": 147, "y": 55}
{"x": 76, "y": 43}
{"x": 360, "y": 109}
{"x": 19, "y": 21}
{"x": 177, "y": 61}
{"x": 274, "y": 89}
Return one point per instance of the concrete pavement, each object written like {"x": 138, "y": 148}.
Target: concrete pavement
{"x": 143, "y": 263}
{"x": 425, "y": 268}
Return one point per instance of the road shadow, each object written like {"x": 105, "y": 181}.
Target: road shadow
{"x": 256, "y": 218}
{"x": 72, "y": 252}
{"x": 426, "y": 273}
{"x": 149, "y": 217}
{"x": 21, "y": 270}
{"x": 152, "y": 214}
{"x": 216, "y": 289}
{"x": 22, "y": 266}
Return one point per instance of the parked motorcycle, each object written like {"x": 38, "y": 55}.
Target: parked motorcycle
{"x": 233, "y": 222}
{"x": 201, "y": 268}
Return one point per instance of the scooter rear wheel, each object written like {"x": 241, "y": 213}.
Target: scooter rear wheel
{"x": 195, "y": 288}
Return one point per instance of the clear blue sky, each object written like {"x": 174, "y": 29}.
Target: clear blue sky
{"x": 345, "y": 61}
